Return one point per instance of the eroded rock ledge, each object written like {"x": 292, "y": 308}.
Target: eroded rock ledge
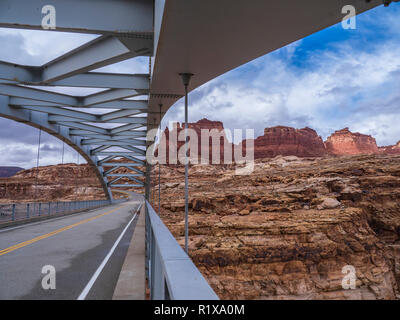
{"x": 287, "y": 230}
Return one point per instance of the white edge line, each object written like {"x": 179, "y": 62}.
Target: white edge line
{"x": 93, "y": 279}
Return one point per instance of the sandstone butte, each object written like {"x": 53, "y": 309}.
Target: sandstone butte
{"x": 344, "y": 142}
{"x": 52, "y": 183}
{"x": 285, "y": 141}
{"x": 170, "y": 138}
{"x": 287, "y": 230}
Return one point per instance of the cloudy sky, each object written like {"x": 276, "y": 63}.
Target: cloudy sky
{"x": 333, "y": 79}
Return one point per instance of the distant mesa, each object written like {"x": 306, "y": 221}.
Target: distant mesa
{"x": 288, "y": 141}
{"x": 345, "y": 142}
{"x": 6, "y": 172}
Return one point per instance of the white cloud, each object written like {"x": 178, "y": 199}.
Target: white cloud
{"x": 38, "y": 46}
{"x": 343, "y": 86}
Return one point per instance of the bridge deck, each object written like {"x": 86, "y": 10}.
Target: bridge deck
{"x": 75, "y": 245}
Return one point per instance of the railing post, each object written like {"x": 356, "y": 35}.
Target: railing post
{"x": 27, "y": 210}
{"x": 40, "y": 208}
{"x": 49, "y": 207}
{"x": 13, "y": 212}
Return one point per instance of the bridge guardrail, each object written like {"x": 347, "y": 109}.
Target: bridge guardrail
{"x": 22, "y": 211}
{"x": 170, "y": 272}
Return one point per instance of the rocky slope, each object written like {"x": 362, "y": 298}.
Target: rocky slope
{"x": 172, "y": 139}
{"x": 283, "y": 232}
{"x": 287, "y": 230}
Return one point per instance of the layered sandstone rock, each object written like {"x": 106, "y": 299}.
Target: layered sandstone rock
{"x": 345, "y": 142}
{"x": 287, "y": 230}
{"x": 287, "y": 141}
{"x": 206, "y": 135}
{"x": 52, "y": 183}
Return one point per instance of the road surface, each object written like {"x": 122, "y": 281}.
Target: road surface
{"x": 87, "y": 251}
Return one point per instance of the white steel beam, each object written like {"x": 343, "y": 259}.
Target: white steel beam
{"x": 118, "y": 17}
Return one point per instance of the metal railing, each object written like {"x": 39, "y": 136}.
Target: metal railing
{"x": 170, "y": 272}
{"x": 21, "y": 211}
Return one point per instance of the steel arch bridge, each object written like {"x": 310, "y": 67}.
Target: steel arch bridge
{"x": 94, "y": 125}
{"x": 178, "y": 36}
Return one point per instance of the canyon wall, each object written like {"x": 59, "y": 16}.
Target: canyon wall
{"x": 288, "y": 230}
{"x": 52, "y": 183}
{"x": 175, "y": 139}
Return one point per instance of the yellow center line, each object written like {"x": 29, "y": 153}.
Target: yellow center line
{"x": 47, "y": 235}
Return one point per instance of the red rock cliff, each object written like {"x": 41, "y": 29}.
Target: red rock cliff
{"x": 172, "y": 140}
{"x": 287, "y": 141}
{"x": 345, "y": 142}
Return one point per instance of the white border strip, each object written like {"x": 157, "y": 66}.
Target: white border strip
{"x": 92, "y": 280}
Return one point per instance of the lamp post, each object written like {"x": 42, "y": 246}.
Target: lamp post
{"x": 186, "y": 80}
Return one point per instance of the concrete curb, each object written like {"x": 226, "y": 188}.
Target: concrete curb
{"x": 131, "y": 281}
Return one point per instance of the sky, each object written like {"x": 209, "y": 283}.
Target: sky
{"x": 333, "y": 79}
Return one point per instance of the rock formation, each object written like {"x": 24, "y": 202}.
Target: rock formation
{"x": 287, "y": 230}
{"x": 52, "y": 183}
{"x": 287, "y": 141}
{"x": 279, "y": 140}
{"x": 204, "y": 148}
{"x": 345, "y": 142}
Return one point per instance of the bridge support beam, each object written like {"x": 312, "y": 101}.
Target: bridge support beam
{"x": 39, "y": 120}
{"x": 83, "y": 16}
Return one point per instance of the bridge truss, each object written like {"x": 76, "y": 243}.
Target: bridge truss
{"x": 105, "y": 126}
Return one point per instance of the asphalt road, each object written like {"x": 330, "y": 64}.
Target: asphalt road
{"x": 77, "y": 246}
